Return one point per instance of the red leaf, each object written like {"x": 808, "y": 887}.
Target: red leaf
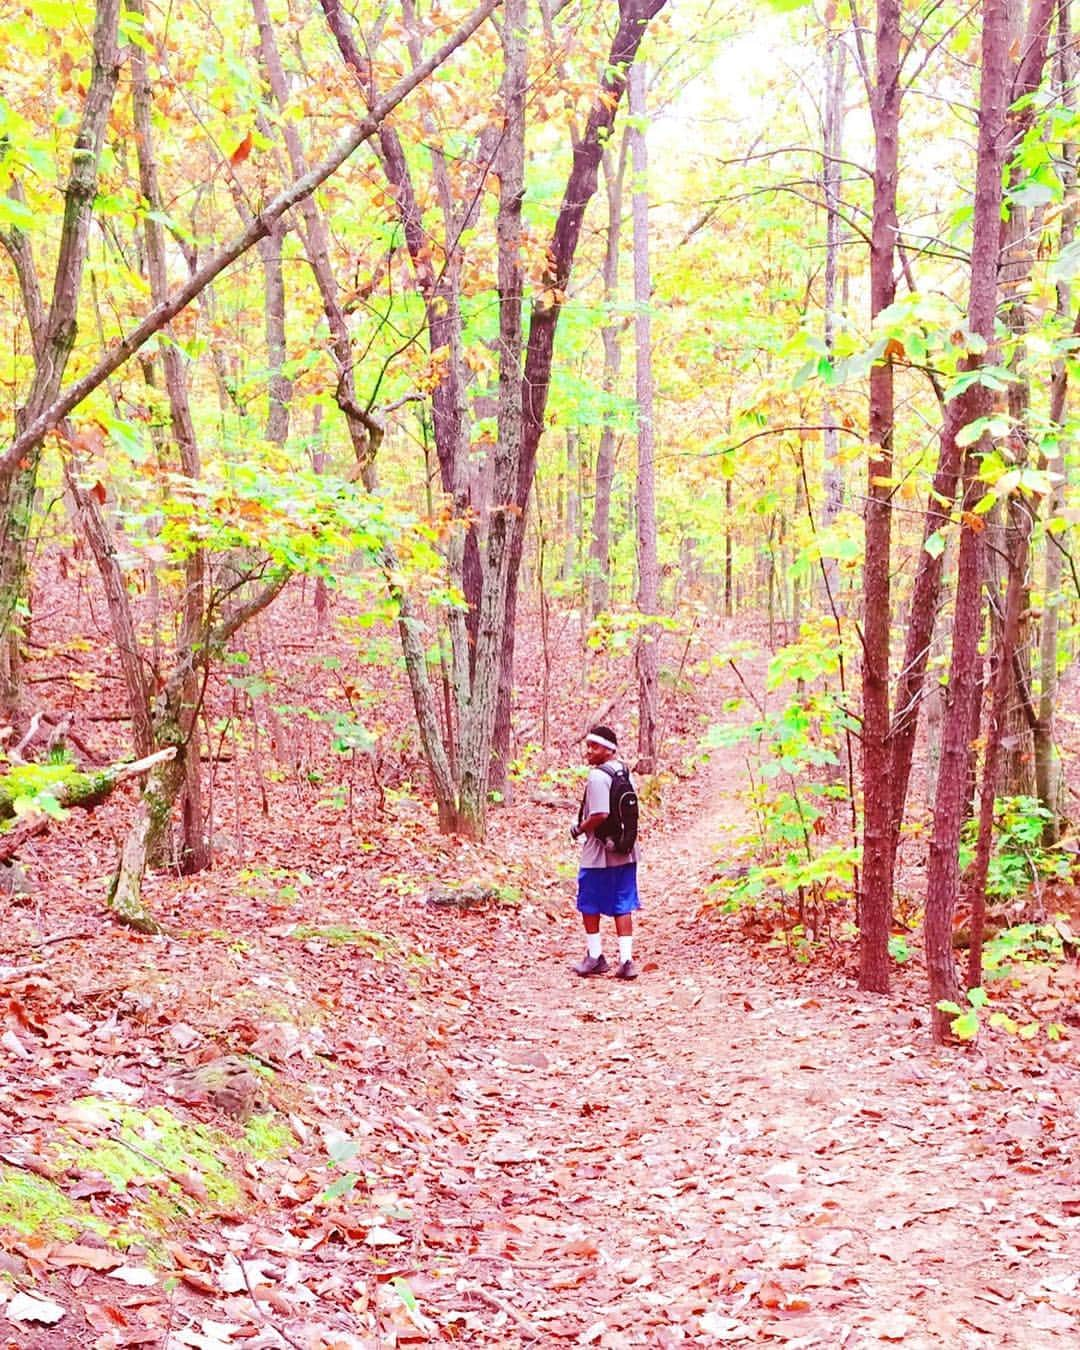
{"x": 242, "y": 150}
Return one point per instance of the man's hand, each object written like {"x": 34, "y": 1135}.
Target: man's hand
{"x": 575, "y": 832}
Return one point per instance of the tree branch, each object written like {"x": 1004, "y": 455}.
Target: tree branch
{"x": 38, "y": 426}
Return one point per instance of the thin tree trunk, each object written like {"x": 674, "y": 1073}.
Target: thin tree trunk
{"x": 634, "y": 18}
{"x": 875, "y": 907}
{"x": 365, "y": 432}
{"x": 961, "y": 707}
{"x": 648, "y": 651}
{"x": 600, "y": 542}
{"x": 1020, "y": 513}
{"x": 1047, "y": 762}
{"x": 833, "y": 138}
{"x": 185, "y": 773}
{"x": 19, "y": 465}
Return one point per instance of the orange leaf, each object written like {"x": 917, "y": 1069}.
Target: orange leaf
{"x": 242, "y": 150}
{"x": 974, "y": 523}
{"x": 894, "y": 347}
{"x": 92, "y": 1258}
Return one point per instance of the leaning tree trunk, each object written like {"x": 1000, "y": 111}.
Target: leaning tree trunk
{"x": 648, "y": 649}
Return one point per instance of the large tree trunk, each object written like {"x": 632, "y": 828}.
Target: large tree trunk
{"x": 648, "y": 651}
{"x": 875, "y": 906}
{"x": 477, "y": 729}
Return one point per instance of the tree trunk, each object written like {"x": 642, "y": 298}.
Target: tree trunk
{"x": 476, "y": 733}
{"x": 1047, "y": 761}
{"x": 600, "y": 543}
{"x": 185, "y": 775}
{"x": 875, "y": 907}
{"x": 648, "y": 600}
{"x": 1020, "y": 514}
{"x": 961, "y": 706}
{"x": 925, "y": 599}
{"x": 833, "y": 147}
{"x": 634, "y": 18}
{"x": 53, "y": 337}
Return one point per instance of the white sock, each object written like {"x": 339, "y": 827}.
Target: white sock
{"x": 626, "y": 949}
{"x": 594, "y": 945}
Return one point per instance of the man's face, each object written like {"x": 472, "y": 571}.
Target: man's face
{"x": 595, "y": 754}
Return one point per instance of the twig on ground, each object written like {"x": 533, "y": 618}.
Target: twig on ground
{"x": 268, "y": 1321}
{"x": 494, "y": 1302}
{"x": 64, "y": 937}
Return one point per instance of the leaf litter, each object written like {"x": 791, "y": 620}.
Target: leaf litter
{"x": 352, "y": 1119}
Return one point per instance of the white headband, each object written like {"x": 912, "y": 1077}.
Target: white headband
{"x": 601, "y": 740}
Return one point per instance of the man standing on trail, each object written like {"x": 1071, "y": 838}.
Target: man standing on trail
{"x": 607, "y": 881}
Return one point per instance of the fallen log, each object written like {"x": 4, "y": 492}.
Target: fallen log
{"x": 67, "y": 786}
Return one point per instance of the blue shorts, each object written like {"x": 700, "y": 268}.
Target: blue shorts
{"x": 608, "y": 890}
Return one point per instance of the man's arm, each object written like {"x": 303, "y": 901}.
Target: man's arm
{"x": 590, "y": 824}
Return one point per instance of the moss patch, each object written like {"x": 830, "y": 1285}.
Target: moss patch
{"x": 166, "y": 1167}
{"x": 378, "y": 945}
{"x": 30, "y": 1204}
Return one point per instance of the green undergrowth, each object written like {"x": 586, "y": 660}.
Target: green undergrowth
{"x": 378, "y": 945}
{"x": 166, "y": 1168}
{"x": 33, "y": 1206}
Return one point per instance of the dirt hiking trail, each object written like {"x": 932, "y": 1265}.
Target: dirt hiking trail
{"x": 488, "y": 1151}
{"x": 711, "y": 1156}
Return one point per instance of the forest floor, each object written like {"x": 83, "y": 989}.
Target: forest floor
{"x": 324, "y": 1112}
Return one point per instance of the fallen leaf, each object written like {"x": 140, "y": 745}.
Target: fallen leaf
{"x": 31, "y": 1308}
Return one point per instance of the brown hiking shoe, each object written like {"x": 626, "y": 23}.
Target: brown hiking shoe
{"x": 591, "y": 965}
{"x": 626, "y": 971}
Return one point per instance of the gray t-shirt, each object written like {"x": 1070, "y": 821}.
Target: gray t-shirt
{"x": 598, "y": 852}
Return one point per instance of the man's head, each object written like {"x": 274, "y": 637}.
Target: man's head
{"x": 600, "y": 744}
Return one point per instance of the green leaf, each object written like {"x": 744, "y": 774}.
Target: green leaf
{"x": 344, "y": 1184}
{"x": 966, "y": 1026}
{"x": 935, "y": 544}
